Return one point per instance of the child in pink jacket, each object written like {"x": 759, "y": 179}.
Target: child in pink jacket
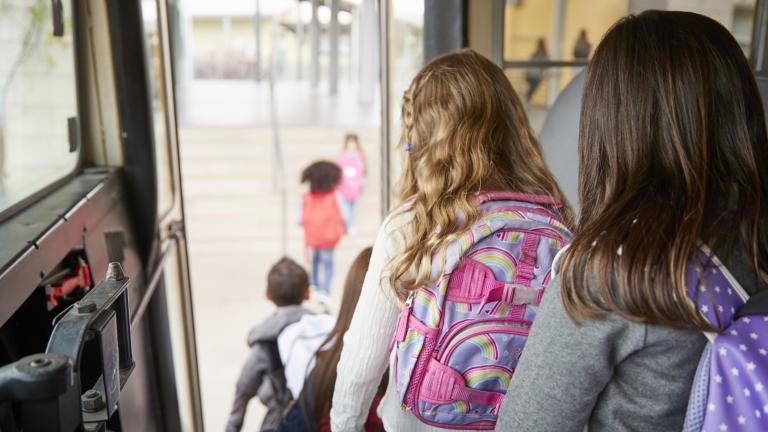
{"x": 352, "y": 163}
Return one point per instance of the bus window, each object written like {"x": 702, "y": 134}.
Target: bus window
{"x": 546, "y": 43}
{"x": 38, "y": 100}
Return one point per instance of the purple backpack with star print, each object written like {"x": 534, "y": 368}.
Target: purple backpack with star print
{"x": 730, "y": 389}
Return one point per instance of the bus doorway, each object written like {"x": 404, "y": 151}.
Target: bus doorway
{"x": 266, "y": 88}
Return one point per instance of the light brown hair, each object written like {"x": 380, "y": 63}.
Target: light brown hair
{"x": 467, "y": 132}
{"x": 327, "y": 357}
{"x": 673, "y": 152}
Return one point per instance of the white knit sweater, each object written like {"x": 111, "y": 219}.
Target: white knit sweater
{"x": 366, "y": 344}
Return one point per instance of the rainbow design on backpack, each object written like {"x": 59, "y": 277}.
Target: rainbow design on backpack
{"x": 410, "y": 337}
{"x": 475, "y": 377}
{"x": 500, "y": 309}
{"x": 506, "y": 215}
{"x": 467, "y": 240}
{"x": 498, "y": 259}
{"x": 461, "y": 407}
{"x": 450, "y": 343}
{"x": 426, "y": 300}
{"x": 463, "y": 307}
{"x": 509, "y": 236}
{"x": 487, "y": 346}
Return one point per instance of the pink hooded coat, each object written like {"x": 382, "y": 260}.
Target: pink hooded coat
{"x": 353, "y": 174}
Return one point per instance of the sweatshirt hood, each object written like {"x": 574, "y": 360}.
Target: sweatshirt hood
{"x": 271, "y": 327}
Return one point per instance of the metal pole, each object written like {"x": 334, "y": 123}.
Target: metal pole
{"x": 367, "y": 52}
{"x": 555, "y": 48}
{"x": 759, "y": 46}
{"x": 497, "y": 30}
{"x": 279, "y": 161}
{"x": 385, "y": 105}
{"x": 299, "y": 41}
{"x": 314, "y": 35}
{"x": 257, "y": 31}
{"x": 333, "y": 69}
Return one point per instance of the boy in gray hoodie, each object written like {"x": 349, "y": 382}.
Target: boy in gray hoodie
{"x": 263, "y": 374}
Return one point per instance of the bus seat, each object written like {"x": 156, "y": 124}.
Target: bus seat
{"x": 560, "y": 137}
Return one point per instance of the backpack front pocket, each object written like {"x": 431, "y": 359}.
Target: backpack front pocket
{"x": 466, "y": 381}
{"x": 485, "y": 353}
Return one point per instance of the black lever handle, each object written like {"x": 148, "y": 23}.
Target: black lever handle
{"x": 46, "y": 386}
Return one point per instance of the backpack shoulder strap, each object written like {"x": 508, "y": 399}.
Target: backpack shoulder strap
{"x": 726, "y": 296}
{"x": 756, "y": 305}
{"x": 557, "y": 259}
{"x": 276, "y": 374}
{"x": 273, "y": 354}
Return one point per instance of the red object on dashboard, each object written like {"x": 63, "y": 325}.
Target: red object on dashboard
{"x": 79, "y": 278}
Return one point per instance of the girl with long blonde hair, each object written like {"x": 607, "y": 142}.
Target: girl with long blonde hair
{"x": 465, "y": 132}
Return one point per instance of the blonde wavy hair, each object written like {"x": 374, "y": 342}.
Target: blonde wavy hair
{"x": 467, "y": 132}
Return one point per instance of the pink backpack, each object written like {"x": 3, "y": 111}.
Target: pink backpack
{"x": 458, "y": 341}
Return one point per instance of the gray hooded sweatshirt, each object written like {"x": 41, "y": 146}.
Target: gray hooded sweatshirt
{"x": 607, "y": 373}
{"x": 262, "y": 363}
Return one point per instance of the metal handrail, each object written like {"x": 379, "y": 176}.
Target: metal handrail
{"x": 154, "y": 280}
{"x": 279, "y": 176}
{"x": 514, "y": 64}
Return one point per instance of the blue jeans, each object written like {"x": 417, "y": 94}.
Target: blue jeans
{"x": 347, "y": 211}
{"x": 322, "y": 260}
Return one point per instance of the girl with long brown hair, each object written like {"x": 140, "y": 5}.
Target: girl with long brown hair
{"x": 464, "y": 132}
{"x": 673, "y": 156}
{"x": 310, "y": 413}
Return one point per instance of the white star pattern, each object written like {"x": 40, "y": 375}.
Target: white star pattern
{"x": 742, "y": 347}
{"x": 718, "y": 379}
{"x": 702, "y": 288}
{"x": 765, "y": 408}
{"x": 717, "y": 289}
{"x": 722, "y": 351}
{"x": 734, "y": 333}
{"x": 723, "y": 427}
{"x": 750, "y": 366}
{"x": 747, "y": 320}
{"x": 759, "y": 387}
{"x": 730, "y": 291}
{"x": 747, "y": 393}
{"x": 733, "y": 310}
{"x": 757, "y": 414}
{"x": 720, "y": 308}
{"x": 741, "y": 420}
{"x": 729, "y": 399}
{"x": 765, "y": 318}
{"x": 735, "y": 372}
{"x": 753, "y": 335}
{"x": 711, "y": 407}
{"x": 705, "y": 309}
{"x": 762, "y": 351}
